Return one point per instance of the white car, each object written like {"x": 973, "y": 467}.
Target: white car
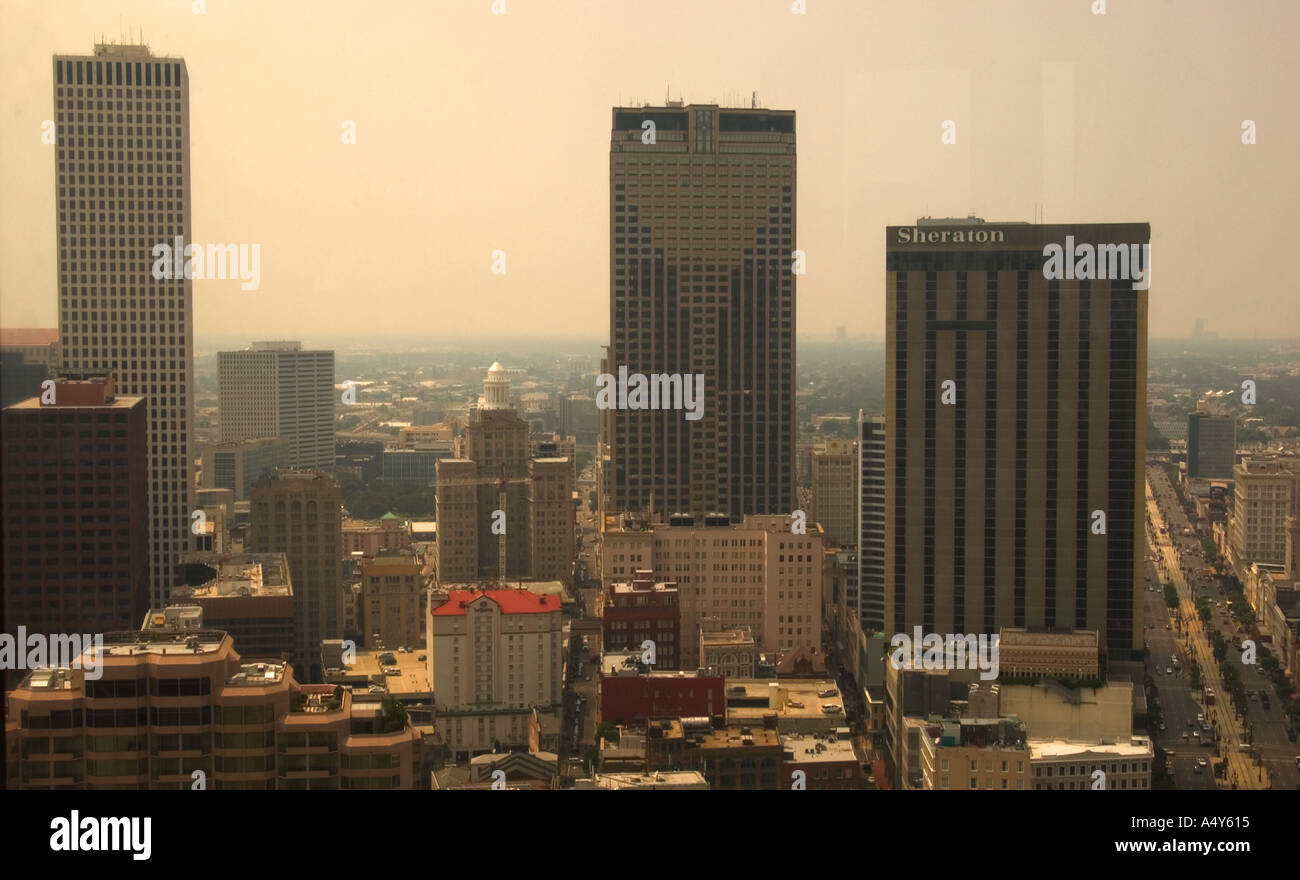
{"x": 1169, "y": 670}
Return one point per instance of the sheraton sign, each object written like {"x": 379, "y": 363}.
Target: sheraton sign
{"x": 916, "y": 235}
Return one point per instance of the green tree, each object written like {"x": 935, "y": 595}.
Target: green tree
{"x": 606, "y": 730}
{"x": 393, "y": 715}
{"x": 1219, "y": 645}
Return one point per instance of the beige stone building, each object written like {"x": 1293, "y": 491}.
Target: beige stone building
{"x": 732, "y": 651}
{"x": 1034, "y": 652}
{"x": 972, "y": 754}
{"x": 835, "y": 494}
{"x": 392, "y": 599}
{"x": 533, "y": 533}
{"x": 756, "y": 573}
{"x": 1074, "y": 766}
{"x": 1267, "y": 491}
{"x": 368, "y": 537}
{"x": 494, "y": 655}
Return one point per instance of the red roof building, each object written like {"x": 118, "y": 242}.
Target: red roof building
{"x": 456, "y": 602}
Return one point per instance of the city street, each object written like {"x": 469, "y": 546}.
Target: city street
{"x": 1259, "y": 736}
{"x": 1177, "y": 703}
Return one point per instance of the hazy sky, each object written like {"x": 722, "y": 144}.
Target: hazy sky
{"x": 478, "y": 132}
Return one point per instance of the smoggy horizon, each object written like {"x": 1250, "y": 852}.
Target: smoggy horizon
{"x": 477, "y": 132}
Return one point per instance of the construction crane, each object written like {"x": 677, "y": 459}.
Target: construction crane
{"x": 501, "y": 483}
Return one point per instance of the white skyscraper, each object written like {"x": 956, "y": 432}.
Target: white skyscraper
{"x": 122, "y": 164}
{"x": 275, "y": 389}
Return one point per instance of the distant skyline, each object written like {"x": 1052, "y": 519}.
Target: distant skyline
{"x": 477, "y": 132}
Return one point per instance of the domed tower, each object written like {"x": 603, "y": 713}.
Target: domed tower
{"x": 496, "y": 388}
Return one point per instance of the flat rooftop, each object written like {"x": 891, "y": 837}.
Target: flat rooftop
{"x": 732, "y": 736}
{"x": 245, "y": 574}
{"x": 254, "y": 674}
{"x": 49, "y": 679}
{"x": 727, "y": 637}
{"x": 132, "y": 642}
{"x": 664, "y": 778}
{"x": 749, "y": 698}
{"x": 643, "y": 586}
{"x": 1011, "y": 637}
{"x": 628, "y": 663}
{"x": 810, "y": 748}
{"x": 1137, "y": 747}
{"x": 119, "y": 401}
{"x": 412, "y": 673}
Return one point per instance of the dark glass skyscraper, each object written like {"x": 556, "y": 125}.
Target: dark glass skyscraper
{"x": 702, "y": 235}
{"x": 1015, "y": 416}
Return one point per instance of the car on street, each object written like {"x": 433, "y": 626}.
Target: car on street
{"x": 1169, "y": 670}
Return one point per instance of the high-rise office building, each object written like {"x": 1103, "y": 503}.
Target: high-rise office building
{"x": 75, "y": 510}
{"x": 1015, "y": 425}
{"x": 237, "y": 464}
{"x": 1211, "y": 445}
{"x": 275, "y": 389}
{"x": 122, "y": 164}
{"x": 835, "y": 497}
{"x": 702, "y": 282}
{"x": 537, "y": 512}
{"x": 298, "y": 513}
{"x": 871, "y": 521}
